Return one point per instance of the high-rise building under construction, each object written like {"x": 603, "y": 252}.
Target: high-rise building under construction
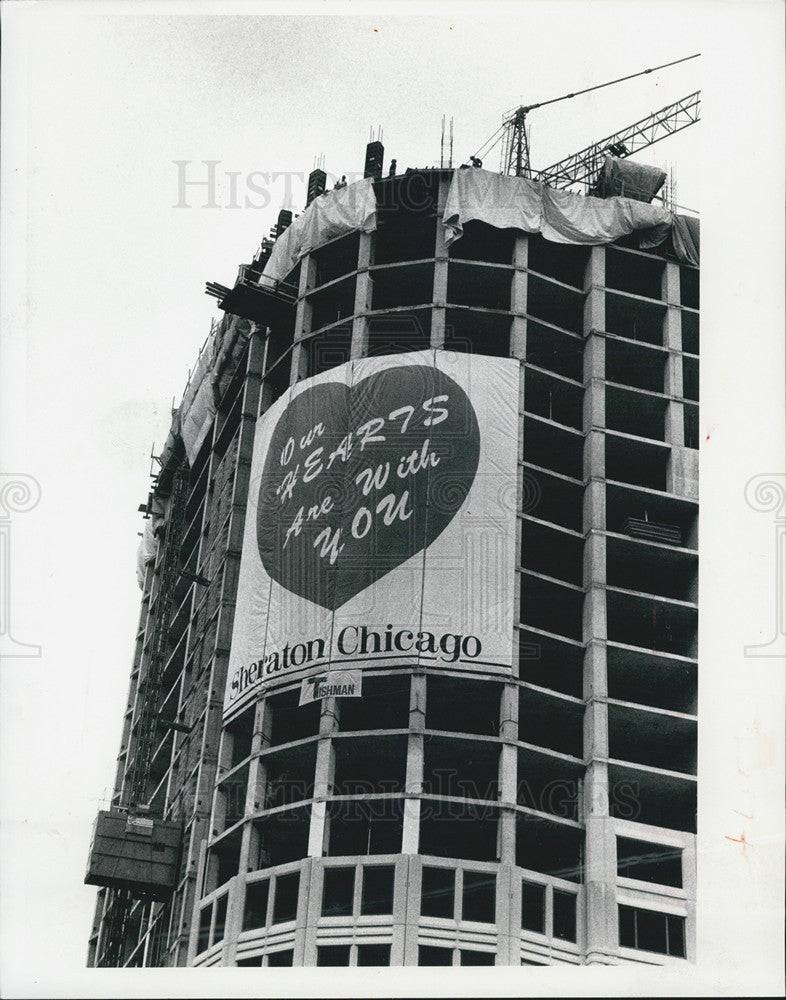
{"x": 415, "y": 675}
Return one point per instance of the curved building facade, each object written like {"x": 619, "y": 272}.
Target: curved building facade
{"x": 431, "y": 663}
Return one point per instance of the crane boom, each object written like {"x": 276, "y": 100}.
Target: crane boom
{"x": 584, "y": 166}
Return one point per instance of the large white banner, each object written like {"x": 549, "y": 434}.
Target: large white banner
{"x": 381, "y": 523}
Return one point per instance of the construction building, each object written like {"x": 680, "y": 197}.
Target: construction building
{"x": 537, "y": 812}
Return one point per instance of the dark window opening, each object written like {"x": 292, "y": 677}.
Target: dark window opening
{"x": 384, "y": 705}
{"x": 333, "y": 954}
{"x": 564, "y": 915}
{"x": 205, "y": 917}
{"x": 564, "y": 261}
{"x": 450, "y": 829}
{"x": 338, "y": 892}
{"x": 377, "y": 891}
{"x": 648, "y": 930}
{"x": 472, "y": 331}
{"x": 649, "y": 862}
{"x": 240, "y": 731}
{"x": 479, "y": 897}
{"x": 477, "y": 957}
{"x": 290, "y": 721}
{"x": 691, "y": 425}
{"x": 372, "y": 827}
{"x": 554, "y": 350}
{"x": 553, "y": 448}
{"x": 480, "y": 241}
{"x": 280, "y": 959}
{"x": 461, "y": 705}
{"x": 533, "y": 907}
{"x": 221, "y": 918}
{"x": 255, "y": 911}
{"x": 634, "y": 273}
{"x": 437, "y": 894}
{"x": 285, "y": 898}
{"x": 429, "y": 955}
{"x": 689, "y": 287}
{"x": 402, "y": 286}
{"x": 373, "y": 954}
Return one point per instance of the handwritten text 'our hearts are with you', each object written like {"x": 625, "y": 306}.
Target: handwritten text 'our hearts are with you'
{"x": 359, "y": 478}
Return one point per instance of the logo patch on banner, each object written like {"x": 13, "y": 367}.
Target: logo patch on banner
{"x": 360, "y": 478}
{"x": 337, "y": 683}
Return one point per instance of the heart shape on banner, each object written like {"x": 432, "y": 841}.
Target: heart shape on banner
{"x": 358, "y": 479}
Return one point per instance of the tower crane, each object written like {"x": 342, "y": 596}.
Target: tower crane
{"x": 584, "y": 166}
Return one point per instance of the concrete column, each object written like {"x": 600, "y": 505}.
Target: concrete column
{"x": 412, "y": 911}
{"x": 323, "y": 779}
{"x": 236, "y": 896}
{"x": 595, "y": 455}
{"x": 414, "y": 778}
{"x": 594, "y": 286}
{"x": 601, "y": 925}
{"x": 363, "y": 292}
{"x": 400, "y": 910}
{"x": 689, "y": 884}
{"x": 518, "y": 298}
{"x": 308, "y": 277}
{"x": 313, "y": 910}
{"x": 302, "y": 929}
{"x": 506, "y": 919}
{"x": 440, "y": 293}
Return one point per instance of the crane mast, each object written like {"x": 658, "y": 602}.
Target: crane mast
{"x": 584, "y": 165}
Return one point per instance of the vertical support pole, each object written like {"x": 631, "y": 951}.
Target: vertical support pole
{"x": 600, "y": 874}
{"x": 323, "y": 778}
{"x": 440, "y": 294}
{"x": 507, "y": 919}
{"x": 308, "y": 277}
{"x": 518, "y": 298}
{"x": 414, "y": 778}
{"x": 364, "y": 286}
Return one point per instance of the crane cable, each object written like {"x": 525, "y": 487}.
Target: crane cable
{"x": 578, "y": 93}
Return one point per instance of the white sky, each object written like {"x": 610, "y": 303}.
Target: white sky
{"x": 104, "y": 312}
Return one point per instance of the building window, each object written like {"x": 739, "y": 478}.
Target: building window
{"x": 255, "y": 911}
{"x": 478, "y": 898}
{"x": 333, "y": 954}
{"x": 221, "y": 918}
{"x": 533, "y": 907}
{"x": 477, "y": 958}
{"x": 437, "y": 894}
{"x": 428, "y": 955}
{"x": 373, "y": 954}
{"x": 377, "y": 894}
{"x": 564, "y": 915}
{"x": 648, "y": 930}
{"x": 205, "y": 918}
{"x": 338, "y": 892}
{"x": 285, "y": 898}
{"x": 649, "y": 862}
{"x": 280, "y": 959}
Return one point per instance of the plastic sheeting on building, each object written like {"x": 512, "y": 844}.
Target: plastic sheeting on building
{"x": 334, "y": 213}
{"x": 146, "y": 552}
{"x": 561, "y": 216}
{"x": 630, "y": 179}
{"x": 198, "y": 407}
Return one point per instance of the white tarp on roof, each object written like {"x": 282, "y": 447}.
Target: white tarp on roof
{"x": 561, "y": 216}
{"x": 332, "y": 214}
